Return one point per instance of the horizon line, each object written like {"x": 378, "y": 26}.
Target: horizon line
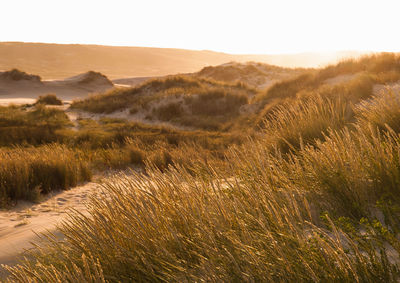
{"x": 209, "y": 50}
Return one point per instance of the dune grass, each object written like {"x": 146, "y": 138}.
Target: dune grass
{"x": 261, "y": 216}
{"x": 379, "y": 68}
{"x": 251, "y": 73}
{"x": 49, "y": 99}
{"x": 305, "y": 120}
{"x": 17, "y": 75}
{"x": 381, "y": 111}
{"x": 181, "y": 100}
{"x": 312, "y": 197}
{"x": 141, "y": 95}
{"x": 25, "y": 173}
{"x": 261, "y": 220}
{"x": 95, "y": 146}
{"x": 36, "y": 126}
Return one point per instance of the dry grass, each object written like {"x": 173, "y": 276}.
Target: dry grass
{"x": 178, "y": 99}
{"x": 305, "y": 120}
{"x": 327, "y": 210}
{"x": 49, "y": 99}
{"x": 381, "y": 111}
{"x": 261, "y": 216}
{"x": 379, "y": 68}
{"x": 254, "y": 222}
{"x": 36, "y": 126}
{"x": 27, "y": 172}
{"x": 17, "y": 75}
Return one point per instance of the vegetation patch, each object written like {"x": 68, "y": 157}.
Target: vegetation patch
{"x": 17, "y": 75}
{"x": 311, "y": 196}
{"x": 27, "y": 172}
{"x": 49, "y": 99}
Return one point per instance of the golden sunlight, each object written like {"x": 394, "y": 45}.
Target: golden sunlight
{"x": 245, "y": 27}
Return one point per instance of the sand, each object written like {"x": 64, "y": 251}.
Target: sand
{"x": 16, "y": 101}
{"x": 19, "y": 225}
{"x": 22, "y": 92}
{"x": 340, "y": 79}
{"x": 379, "y": 88}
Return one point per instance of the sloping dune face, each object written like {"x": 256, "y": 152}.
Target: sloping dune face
{"x": 16, "y": 75}
{"x": 254, "y": 74}
{"x": 19, "y": 87}
{"x": 89, "y": 78}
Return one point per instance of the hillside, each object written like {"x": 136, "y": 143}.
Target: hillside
{"x": 180, "y": 100}
{"x": 55, "y": 61}
{"x": 298, "y": 182}
{"x": 254, "y": 74}
{"x": 222, "y": 96}
{"x": 15, "y": 75}
{"x": 257, "y": 75}
{"x": 16, "y": 85}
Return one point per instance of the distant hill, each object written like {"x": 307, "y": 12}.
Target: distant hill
{"x": 217, "y": 97}
{"x": 16, "y": 75}
{"x": 18, "y": 86}
{"x": 55, "y": 61}
{"x": 256, "y": 75}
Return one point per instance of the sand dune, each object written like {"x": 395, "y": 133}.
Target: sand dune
{"x": 132, "y": 81}
{"x": 26, "y": 91}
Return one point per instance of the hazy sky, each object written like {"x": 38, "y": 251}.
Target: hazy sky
{"x": 276, "y": 26}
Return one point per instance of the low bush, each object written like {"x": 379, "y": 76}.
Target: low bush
{"x": 49, "y": 99}
{"x": 169, "y": 111}
{"x": 17, "y": 75}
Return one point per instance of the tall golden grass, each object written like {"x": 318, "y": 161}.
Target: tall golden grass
{"x": 305, "y": 120}
{"x": 381, "y": 111}
{"x": 378, "y": 68}
{"x": 258, "y": 221}
{"x": 314, "y": 197}
{"x": 27, "y": 172}
{"x": 36, "y": 126}
{"x": 261, "y": 216}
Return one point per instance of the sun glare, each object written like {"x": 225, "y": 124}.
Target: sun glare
{"x": 261, "y": 27}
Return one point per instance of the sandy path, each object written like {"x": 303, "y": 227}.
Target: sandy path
{"x": 74, "y": 115}
{"x": 19, "y": 225}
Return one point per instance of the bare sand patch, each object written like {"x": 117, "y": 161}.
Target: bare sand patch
{"x": 20, "y": 225}
{"x": 340, "y": 79}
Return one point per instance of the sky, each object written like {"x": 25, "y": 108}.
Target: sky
{"x": 238, "y": 27}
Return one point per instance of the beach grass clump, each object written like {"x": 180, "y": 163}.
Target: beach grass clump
{"x": 381, "y": 111}
{"x": 49, "y": 99}
{"x": 35, "y": 126}
{"x": 18, "y": 75}
{"x": 305, "y": 120}
{"x": 27, "y": 172}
